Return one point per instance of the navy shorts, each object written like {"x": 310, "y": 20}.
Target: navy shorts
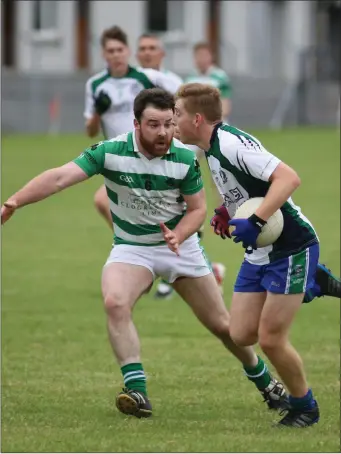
{"x": 294, "y": 274}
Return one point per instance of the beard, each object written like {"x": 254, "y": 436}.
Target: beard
{"x": 156, "y": 147}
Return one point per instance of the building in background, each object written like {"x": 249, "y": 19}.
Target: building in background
{"x": 283, "y": 56}
{"x": 263, "y": 38}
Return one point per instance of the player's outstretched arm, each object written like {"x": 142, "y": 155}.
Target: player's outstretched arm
{"x": 189, "y": 224}
{"x": 284, "y": 181}
{"x": 43, "y": 186}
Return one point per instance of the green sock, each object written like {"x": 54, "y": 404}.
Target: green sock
{"x": 134, "y": 377}
{"x": 259, "y": 374}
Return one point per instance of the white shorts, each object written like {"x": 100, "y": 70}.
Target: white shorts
{"x": 162, "y": 262}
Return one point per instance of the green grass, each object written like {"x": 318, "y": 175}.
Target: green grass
{"x": 59, "y": 379}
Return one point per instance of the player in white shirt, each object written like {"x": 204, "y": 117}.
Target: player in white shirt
{"x": 150, "y": 54}
{"x": 110, "y": 96}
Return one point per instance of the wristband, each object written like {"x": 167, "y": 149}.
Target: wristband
{"x": 257, "y": 221}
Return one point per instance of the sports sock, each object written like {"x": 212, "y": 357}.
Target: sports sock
{"x": 134, "y": 377}
{"x": 259, "y": 374}
{"x": 315, "y": 292}
{"x": 306, "y": 402}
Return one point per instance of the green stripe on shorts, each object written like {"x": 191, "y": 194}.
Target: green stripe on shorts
{"x": 297, "y": 272}
{"x": 209, "y": 265}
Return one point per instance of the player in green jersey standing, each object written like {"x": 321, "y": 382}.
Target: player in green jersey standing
{"x": 208, "y": 73}
{"x": 273, "y": 280}
{"x": 150, "y": 178}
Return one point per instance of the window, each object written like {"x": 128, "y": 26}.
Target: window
{"x": 165, "y": 15}
{"x": 44, "y": 14}
{"x": 157, "y": 15}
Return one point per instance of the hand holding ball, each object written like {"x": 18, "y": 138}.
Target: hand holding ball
{"x": 273, "y": 228}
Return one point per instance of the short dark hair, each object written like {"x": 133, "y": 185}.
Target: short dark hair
{"x": 114, "y": 32}
{"x": 156, "y": 97}
{"x": 148, "y": 35}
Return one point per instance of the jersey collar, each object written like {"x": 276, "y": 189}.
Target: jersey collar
{"x": 132, "y": 144}
{"x": 214, "y": 133}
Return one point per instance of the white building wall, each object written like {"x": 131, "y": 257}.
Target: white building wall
{"x": 259, "y": 38}
{"x": 264, "y": 39}
{"x": 299, "y": 34}
{"x": 129, "y": 15}
{"x": 179, "y": 42}
{"x": 46, "y": 50}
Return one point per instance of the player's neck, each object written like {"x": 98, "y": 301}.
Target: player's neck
{"x": 206, "y": 136}
{"x": 119, "y": 72}
{"x": 204, "y": 71}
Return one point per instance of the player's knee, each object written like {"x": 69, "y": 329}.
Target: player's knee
{"x": 221, "y": 328}
{"x": 242, "y": 338}
{"x": 269, "y": 341}
{"x": 117, "y": 306}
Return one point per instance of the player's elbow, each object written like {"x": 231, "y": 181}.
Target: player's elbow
{"x": 296, "y": 181}
{"x": 287, "y": 175}
{"x": 293, "y": 179}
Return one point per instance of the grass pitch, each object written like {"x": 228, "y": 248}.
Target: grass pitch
{"x": 59, "y": 378}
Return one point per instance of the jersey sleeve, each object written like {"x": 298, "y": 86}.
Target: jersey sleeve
{"x": 89, "y": 108}
{"x": 251, "y": 158}
{"x": 163, "y": 80}
{"x": 91, "y": 161}
{"x": 192, "y": 183}
{"x": 225, "y": 87}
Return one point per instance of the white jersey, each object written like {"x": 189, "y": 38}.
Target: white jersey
{"x": 241, "y": 169}
{"x": 122, "y": 92}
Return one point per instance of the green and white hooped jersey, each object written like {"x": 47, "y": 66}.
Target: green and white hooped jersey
{"x": 142, "y": 192}
{"x": 122, "y": 92}
{"x": 241, "y": 168}
{"x": 214, "y": 76}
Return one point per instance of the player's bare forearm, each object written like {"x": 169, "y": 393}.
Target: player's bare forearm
{"x": 93, "y": 125}
{"x": 284, "y": 181}
{"x": 194, "y": 217}
{"x": 190, "y": 224}
{"x": 48, "y": 183}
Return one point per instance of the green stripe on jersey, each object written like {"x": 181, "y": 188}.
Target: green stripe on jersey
{"x": 102, "y": 77}
{"x": 142, "y": 193}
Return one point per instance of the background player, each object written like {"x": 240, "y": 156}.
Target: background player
{"x": 144, "y": 190}
{"x": 208, "y": 73}
{"x": 150, "y": 54}
{"x": 110, "y": 96}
